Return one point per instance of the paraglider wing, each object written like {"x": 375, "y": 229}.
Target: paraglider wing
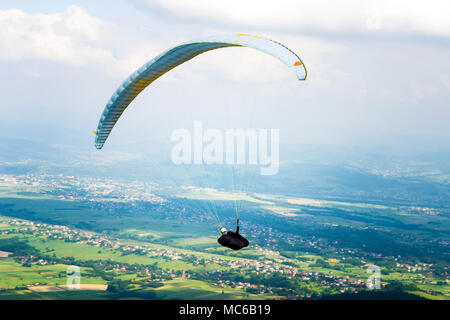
{"x": 171, "y": 58}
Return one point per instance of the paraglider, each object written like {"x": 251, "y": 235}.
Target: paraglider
{"x": 232, "y": 240}
{"x": 175, "y": 56}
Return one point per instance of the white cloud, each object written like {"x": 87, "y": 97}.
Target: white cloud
{"x": 78, "y": 38}
{"x": 347, "y": 16}
{"x": 73, "y": 37}
{"x": 68, "y": 36}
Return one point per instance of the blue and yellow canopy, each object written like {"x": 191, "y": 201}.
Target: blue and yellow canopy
{"x": 171, "y": 58}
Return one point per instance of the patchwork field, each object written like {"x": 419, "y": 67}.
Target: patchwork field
{"x": 325, "y": 241}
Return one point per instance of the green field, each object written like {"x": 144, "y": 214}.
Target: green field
{"x": 196, "y": 239}
{"x": 182, "y": 289}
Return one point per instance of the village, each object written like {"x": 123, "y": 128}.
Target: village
{"x": 271, "y": 262}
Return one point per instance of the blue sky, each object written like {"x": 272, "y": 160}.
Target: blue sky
{"x": 379, "y": 73}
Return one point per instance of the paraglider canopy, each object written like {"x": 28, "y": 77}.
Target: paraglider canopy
{"x": 177, "y": 55}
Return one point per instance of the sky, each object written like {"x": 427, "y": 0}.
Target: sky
{"x": 378, "y": 71}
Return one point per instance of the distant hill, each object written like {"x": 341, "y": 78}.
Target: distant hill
{"x": 13, "y": 149}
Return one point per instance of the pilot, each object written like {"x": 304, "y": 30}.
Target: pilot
{"x": 232, "y": 240}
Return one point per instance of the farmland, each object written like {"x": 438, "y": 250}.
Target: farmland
{"x": 161, "y": 243}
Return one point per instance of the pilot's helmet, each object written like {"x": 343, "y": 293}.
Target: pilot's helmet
{"x": 223, "y": 230}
